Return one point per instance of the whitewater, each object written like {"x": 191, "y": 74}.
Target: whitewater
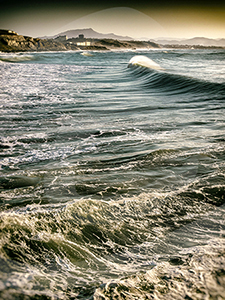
{"x": 112, "y": 174}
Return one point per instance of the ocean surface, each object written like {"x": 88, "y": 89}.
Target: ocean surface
{"x": 112, "y": 175}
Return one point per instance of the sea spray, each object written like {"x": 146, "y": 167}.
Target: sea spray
{"x": 112, "y": 178}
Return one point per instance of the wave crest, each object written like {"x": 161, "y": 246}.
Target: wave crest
{"x": 155, "y": 78}
{"x": 143, "y": 61}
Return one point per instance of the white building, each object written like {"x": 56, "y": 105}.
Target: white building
{"x": 84, "y": 43}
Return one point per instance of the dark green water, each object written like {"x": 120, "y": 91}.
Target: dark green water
{"x": 112, "y": 177}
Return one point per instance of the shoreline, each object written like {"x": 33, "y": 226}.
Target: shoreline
{"x": 14, "y": 43}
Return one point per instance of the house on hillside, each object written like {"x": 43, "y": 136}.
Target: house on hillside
{"x": 86, "y": 43}
{"x": 7, "y": 32}
{"x": 82, "y": 41}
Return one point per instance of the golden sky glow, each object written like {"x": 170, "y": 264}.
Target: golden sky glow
{"x": 150, "y": 21}
{"x": 191, "y": 22}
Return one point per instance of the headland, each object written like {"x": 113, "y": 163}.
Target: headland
{"x": 10, "y": 41}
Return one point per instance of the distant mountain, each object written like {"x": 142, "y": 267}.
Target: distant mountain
{"x": 89, "y": 33}
{"x": 202, "y": 41}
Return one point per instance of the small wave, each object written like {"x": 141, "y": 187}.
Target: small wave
{"x": 14, "y": 58}
{"x": 86, "y": 53}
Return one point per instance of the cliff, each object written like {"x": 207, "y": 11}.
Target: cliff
{"x": 12, "y": 42}
{"x": 20, "y": 43}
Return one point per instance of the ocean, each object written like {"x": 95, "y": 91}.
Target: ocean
{"x": 112, "y": 175}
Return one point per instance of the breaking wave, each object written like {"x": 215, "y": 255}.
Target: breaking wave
{"x": 154, "y": 78}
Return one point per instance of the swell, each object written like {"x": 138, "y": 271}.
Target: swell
{"x": 82, "y": 206}
{"x": 175, "y": 84}
{"x": 87, "y": 241}
{"x": 106, "y": 165}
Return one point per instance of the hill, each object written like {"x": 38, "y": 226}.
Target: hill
{"x": 90, "y": 33}
{"x": 201, "y": 41}
{"x": 10, "y": 41}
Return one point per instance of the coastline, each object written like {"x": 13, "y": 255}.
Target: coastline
{"x": 12, "y": 43}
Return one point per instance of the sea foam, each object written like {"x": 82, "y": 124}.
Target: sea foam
{"x": 144, "y": 61}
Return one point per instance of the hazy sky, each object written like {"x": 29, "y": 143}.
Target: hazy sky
{"x": 140, "y": 18}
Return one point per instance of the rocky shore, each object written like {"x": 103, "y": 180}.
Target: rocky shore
{"x": 20, "y": 43}
{"x": 10, "y": 41}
